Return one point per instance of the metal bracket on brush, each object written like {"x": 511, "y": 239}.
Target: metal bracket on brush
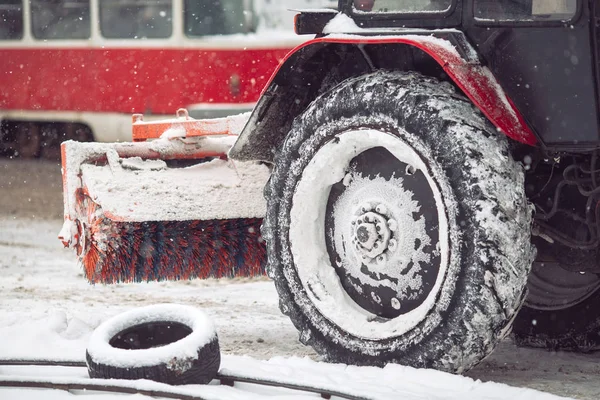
{"x": 183, "y": 126}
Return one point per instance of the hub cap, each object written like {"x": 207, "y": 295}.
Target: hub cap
{"x": 371, "y": 233}
{"x": 388, "y": 218}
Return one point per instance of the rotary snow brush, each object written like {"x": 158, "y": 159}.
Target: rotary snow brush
{"x": 132, "y": 214}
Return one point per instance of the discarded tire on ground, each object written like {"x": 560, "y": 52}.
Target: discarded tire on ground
{"x": 390, "y": 231}
{"x": 167, "y": 343}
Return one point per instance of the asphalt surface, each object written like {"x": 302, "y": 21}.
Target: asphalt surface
{"x": 30, "y": 189}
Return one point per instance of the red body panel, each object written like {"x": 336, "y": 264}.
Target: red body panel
{"x": 145, "y": 80}
{"x": 475, "y": 80}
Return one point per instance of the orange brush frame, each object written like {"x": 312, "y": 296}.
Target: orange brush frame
{"x": 145, "y": 130}
{"x": 188, "y": 143}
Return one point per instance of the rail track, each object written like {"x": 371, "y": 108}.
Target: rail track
{"x": 130, "y": 387}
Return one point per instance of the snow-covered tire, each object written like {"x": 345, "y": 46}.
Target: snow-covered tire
{"x": 169, "y": 343}
{"x": 460, "y": 276}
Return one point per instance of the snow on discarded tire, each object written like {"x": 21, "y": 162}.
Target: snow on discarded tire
{"x": 169, "y": 343}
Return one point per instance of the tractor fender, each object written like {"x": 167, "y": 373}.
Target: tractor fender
{"x": 296, "y": 83}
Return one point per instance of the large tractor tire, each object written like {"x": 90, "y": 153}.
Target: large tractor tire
{"x": 397, "y": 226}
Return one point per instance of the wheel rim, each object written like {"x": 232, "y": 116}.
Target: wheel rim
{"x": 388, "y": 223}
{"x": 553, "y": 288}
{"x": 379, "y": 269}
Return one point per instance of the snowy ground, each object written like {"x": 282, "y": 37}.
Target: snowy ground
{"x": 48, "y": 310}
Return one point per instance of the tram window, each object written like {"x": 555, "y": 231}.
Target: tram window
{"x": 525, "y": 10}
{"x": 11, "y": 19}
{"x": 402, "y": 6}
{"x": 136, "y": 19}
{"x": 215, "y": 17}
{"x": 60, "y": 19}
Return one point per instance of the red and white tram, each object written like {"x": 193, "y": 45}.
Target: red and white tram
{"x": 78, "y": 69}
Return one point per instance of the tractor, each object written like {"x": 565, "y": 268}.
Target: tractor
{"x": 419, "y": 179}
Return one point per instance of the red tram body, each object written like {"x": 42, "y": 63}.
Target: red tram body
{"x": 77, "y": 69}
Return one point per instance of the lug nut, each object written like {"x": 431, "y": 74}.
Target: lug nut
{"x": 347, "y": 179}
{"x": 392, "y": 224}
{"x": 392, "y": 244}
{"x": 381, "y": 209}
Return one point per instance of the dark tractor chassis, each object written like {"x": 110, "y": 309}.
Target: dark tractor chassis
{"x": 417, "y": 77}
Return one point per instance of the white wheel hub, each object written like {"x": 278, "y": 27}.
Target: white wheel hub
{"x": 377, "y": 232}
{"x": 370, "y": 232}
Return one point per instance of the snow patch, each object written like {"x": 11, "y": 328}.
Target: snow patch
{"x": 341, "y": 23}
{"x": 390, "y": 382}
{"x": 217, "y": 189}
{"x": 138, "y": 164}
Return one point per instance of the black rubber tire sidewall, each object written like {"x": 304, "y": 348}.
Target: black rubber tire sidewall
{"x": 203, "y": 370}
{"x": 103, "y": 359}
{"x": 478, "y": 315}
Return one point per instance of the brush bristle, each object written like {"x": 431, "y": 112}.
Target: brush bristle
{"x": 119, "y": 251}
